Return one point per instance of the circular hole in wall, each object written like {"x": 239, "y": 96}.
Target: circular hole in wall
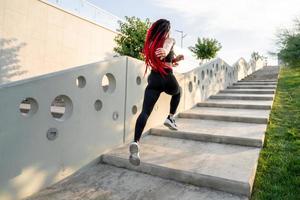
{"x": 52, "y": 134}
{"x": 134, "y": 109}
{"x": 217, "y": 67}
{"x": 108, "y": 83}
{"x": 226, "y": 69}
{"x": 202, "y": 87}
{"x": 211, "y": 74}
{"x": 80, "y": 81}
{"x": 190, "y": 86}
{"x": 98, "y": 105}
{"x": 61, "y": 107}
{"x": 28, "y": 106}
{"x": 195, "y": 79}
{"x": 207, "y": 72}
{"x": 138, "y": 80}
{"x": 202, "y": 75}
{"x": 115, "y": 115}
{"x": 198, "y": 82}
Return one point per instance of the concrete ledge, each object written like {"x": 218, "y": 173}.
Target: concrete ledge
{"x": 255, "y": 83}
{"x": 207, "y": 137}
{"x": 242, "y": 97}
{"x": 234, "y": 105}
{"x": 248, "y": 91}
{"x": 270, "y": 80}
{"x": 182, "y": 176}
{"x": 251, "y": 87}
{"x": 192, "y": 162}
{"x": 225, "y": 118}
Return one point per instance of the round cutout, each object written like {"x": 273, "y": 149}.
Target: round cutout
{"x": 202, "y": 75}
{"x": 80, "y": 81}
{"x": 98, "y": 105}
{"x": 138, "y": 80}
{"x": 28, "y": 107}
{"x": 108, "y": 83}
{"x": 190, "y": 86}
{"x": 52, "y": 134}
{"x": 134, "y": 109}
{"x": 61, "y": 107}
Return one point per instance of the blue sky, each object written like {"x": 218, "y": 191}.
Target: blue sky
{"x": 241, "y": 26}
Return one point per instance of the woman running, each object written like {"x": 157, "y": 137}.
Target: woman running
{"x": 159, "y": 55}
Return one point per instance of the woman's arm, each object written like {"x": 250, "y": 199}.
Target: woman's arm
{"x": 164, "y": 51}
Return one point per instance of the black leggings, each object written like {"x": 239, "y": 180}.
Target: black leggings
{"x": 156, "y": 85}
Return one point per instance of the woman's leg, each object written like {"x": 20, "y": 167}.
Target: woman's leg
{"x": 172, "y": 88}
{"x": 150, "y": 99}
{"x": 174, "y": 103}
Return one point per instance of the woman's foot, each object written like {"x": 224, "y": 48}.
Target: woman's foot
{"x": 170, "y": 122}
{"x": 134, "y": 157}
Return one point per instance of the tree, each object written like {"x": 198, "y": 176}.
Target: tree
{"x": 256, "y": 56}
{"x": 130, "y": 41}
{"x": 289, "y": 45}
{"x": 206, "y": 48}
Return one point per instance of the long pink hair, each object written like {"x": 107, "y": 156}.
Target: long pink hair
{"x": 156, "y": 36}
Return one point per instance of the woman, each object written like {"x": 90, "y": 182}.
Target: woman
{"x": 159, "y": 55}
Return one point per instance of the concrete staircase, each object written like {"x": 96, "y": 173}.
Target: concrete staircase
{"x": 217, "y": 144}
{"x": 216, "y": 147}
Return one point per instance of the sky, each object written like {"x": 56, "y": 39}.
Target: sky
{"x": 241, "y": 26}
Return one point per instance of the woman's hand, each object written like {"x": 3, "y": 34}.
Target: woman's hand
{"x": 161, "y": 53}
{"x": 179, "y": 57}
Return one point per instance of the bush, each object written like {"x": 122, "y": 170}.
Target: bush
{"x": 289, "y": 45}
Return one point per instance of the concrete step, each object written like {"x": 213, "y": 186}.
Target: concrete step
{"x": 106, "y": 182}
{"x": 246, "y": 134}
{"x": 248, "y": 91}
{"x": 227, "y": 114}
{"x": 247, "y": 80}
{"x": 260, "y": 97}
{"x": 251, "y": 87}
{"x": 229, "y": 168}
{"x": 255, "y": 83}
{"x": 231, "y": 103}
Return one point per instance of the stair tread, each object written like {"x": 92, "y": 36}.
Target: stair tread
{"x": 108, "y": 182}
{"x": 217, "y": 128}
{"x": 229, "y": 112}
{"x": 244, "y": 95}
{"x": 252, "y": 87}
{"x": 242, "y": 102}
{"x": 245, "y": 89}
{"x": 256, "y": 83}
{"x": 231, "y": 163}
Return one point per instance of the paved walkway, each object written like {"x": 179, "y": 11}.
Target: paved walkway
{"x": 212, "y": 156}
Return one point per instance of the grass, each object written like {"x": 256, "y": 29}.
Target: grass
{"x": 278, "y": 172}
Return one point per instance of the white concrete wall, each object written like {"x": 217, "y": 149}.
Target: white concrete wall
{"x": 37, "y": 38}
{"x": 30, "y": 161}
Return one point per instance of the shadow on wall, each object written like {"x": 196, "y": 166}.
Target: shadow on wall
{"x": 9, "y": 49}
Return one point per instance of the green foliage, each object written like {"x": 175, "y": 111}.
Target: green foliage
{"x": 289, "y": 45}
{"x": 206, "y": 48}
{"x": 256, "y": 56}
{"x": 130, "y": 41}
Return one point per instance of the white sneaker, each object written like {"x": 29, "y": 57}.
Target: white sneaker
{"x": 170, "y": 122}
{"x": 134, "y": 157}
